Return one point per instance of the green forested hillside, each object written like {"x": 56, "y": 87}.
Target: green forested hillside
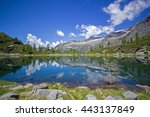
{"x": 137, "y": 45}
{"x": 12, "y": 45}
{"x": 134, "y": 45}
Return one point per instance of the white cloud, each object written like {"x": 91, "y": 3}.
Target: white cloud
{"x": 72, "y": 35}
{"x": 92, "y": 30}
{"x": 77, "y": 26}
{"x": 60, "y": 33}
{"x": 117, "y": 13}
{"x": 34, "y": 66}
{"x": 130, "y": 11}
{"x": 60, "y": 75}
{"x": 33, "y": 40}
{"x": 54, "y": 44}
{"x": 54, "y": 63}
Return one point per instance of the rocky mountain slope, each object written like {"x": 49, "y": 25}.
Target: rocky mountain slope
{"x": 113, "y": 39}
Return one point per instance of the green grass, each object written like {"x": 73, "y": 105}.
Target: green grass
{"x": 100, "y": 93}
{"x": 5, "y": 85}
{"x": 71, "y": 93}
{"x": 3, "y": 82}
{"x": 127, "y": 46}
{"x": 144, "y": 96}
{"x": 3, "y": 91}
{"x": 18, "y": 91}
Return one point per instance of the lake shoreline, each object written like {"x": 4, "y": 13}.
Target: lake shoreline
{"x": 43, "y": 91}
{"x": 76, "y": 55}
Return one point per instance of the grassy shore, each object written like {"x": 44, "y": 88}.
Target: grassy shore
{"x": 76, "y": 93}
{"x": 116, "y": 55}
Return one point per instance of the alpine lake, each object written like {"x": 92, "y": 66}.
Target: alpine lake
{"x": 92, "y": 72}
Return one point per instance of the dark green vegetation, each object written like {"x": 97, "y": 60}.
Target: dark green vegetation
{"x": 11, "y": 65}
{"x": 5, "y": 85}
{"x": 133, "y": 45}
{"x": 10, "y": 45}
{"x": 71, "y": 93}
{"x": 13, "y": 45}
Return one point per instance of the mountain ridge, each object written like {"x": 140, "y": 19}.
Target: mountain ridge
{"x": 115, "y": 38}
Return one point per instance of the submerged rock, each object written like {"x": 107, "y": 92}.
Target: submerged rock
{"x": 130, "y": 95}
{"x": 90, "y": 97}
{"x": 41, "y": 86}
{"x": 9, "y": 96}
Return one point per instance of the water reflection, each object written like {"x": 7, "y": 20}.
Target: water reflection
{"x": 34, "y": 66}
{"x": 76, "y": 71}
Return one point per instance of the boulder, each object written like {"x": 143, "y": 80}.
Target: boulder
{"x": 26, "y": 93}
{"x": 60, "y": 99}
{"x": 109, "y": 98}
{"x": 117, "y": 98}
{"x": 90, "y": 97}
{"x": 113, "y": 98}
{"x": 9, "y": 96}
{"x": 50, "y": 94}
{"x": 83, "y": 87}
{"x": 41, "y": 86}
{"x": 29, "y": 85}
{"x": 130, "y": 95}
{"x": 144, "y": 87}
{"x": 16, "y": 88}
{"x": 142, "y": 51}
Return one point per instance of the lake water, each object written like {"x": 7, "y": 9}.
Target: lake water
{"x": 77, "y": 71}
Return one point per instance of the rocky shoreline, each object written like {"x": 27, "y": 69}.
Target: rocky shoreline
{"x": 57, "y": 91}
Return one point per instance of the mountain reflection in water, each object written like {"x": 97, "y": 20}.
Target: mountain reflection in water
{"x": 76, "y": 71}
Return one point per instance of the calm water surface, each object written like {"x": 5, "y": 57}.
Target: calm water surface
{"x": 76, "y": 71}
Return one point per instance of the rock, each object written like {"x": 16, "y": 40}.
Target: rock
{"x": 61, "y": 92}
{"x": 29, "y": 85}
{"x": 83, "y": 87}
{"x": 9, "y": 96}
{"x": 90, "y": 97}
{"x": 16, "y": 88}
{"x": 130, "y": 95}
{"x": 142, "y": 51}
{"x": 109, "y": 79}
{"x": 50, "y": 94}
{"x": 60, "y": 98}
{"x": 113, "y": 98}
{"x": 144, "y": 87}
{"x": 53, "y": 95}
{"x": 41, "y": 86}
{"x": 109, "y": 98}
{"x": 26, "y": 93}
{"x": 117, "y": 98}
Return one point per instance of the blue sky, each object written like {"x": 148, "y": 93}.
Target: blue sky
{"x": 81, "y": 18}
